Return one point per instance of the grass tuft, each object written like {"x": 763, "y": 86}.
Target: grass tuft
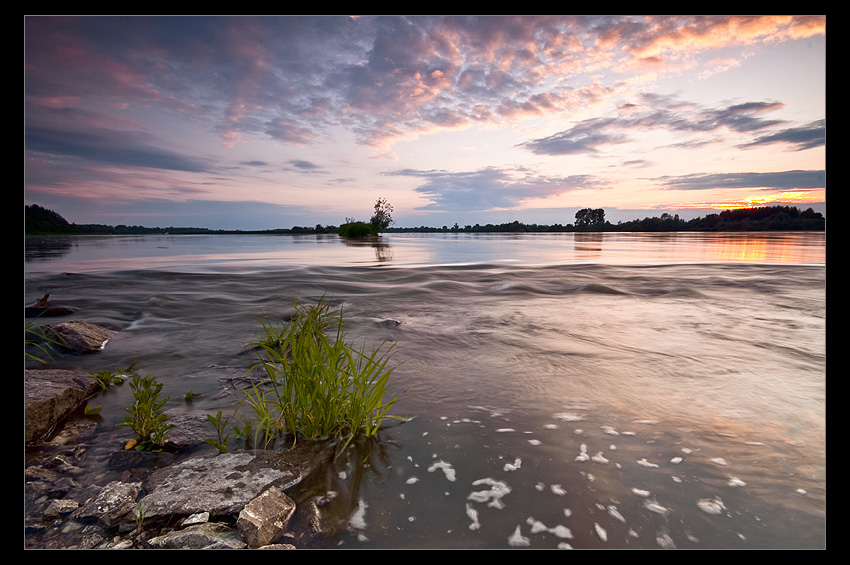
{"x": 319, "y": 386}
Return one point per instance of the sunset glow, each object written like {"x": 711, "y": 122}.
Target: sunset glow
{"x": 269, "y": 122}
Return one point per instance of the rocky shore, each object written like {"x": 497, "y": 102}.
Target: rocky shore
{"x": 175, "y": 498}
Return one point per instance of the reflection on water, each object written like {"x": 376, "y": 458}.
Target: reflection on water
{"x": 246, "y": 252}
{"x": 382, "y": 247}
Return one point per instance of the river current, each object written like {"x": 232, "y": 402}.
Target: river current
{"x": 563, "y": 390}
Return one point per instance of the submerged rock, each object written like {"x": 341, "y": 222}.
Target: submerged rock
{"x": 43, "y": 307}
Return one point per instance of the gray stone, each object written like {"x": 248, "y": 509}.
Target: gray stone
{"x": 265, "y": 518}
{"x": 222, "y": 484}
{"x": 50, "y": 396}
{"x": 211, "y": 535}
{"x": 115, "y": 503}
{"x": 191, "y": 429}
{"x": 58, "y": 508}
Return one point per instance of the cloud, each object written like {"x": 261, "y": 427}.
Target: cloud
{"x": 112, "y": 147}
{"x": 654, "y": 112}
{"x": 490, "y": 188}
{"x": 783, "y": 180}
{"x": 384, "y": 78}
{"x": 799, "y": 138}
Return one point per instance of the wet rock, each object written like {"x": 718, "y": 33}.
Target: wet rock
{"x": 59, "y": 508}
{"x": 50, "y": 395}
{"x": 115, "y": 504}
{"x": 80, "y": 337}
{"x": 264, "y": 519}
{"x": 191, "y": 429}
{"x": 211, "y": 535}
{"x": 43, "y": 307}
{"x": 224, "y": 484}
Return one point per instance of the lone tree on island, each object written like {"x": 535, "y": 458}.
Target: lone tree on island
{"x": 382, "y": 217}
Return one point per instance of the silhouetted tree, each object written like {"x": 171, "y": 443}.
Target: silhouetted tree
{"x": 382, "y": 217}
{"x": 590, "y": 218}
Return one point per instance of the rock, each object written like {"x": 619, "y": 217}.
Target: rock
{"x": 58, "y": 508}
{"x": 265, "y": 518}
{"x": 211, "y": 535}
{"x": 223, "y": 484}
{"x": 114, "y": 504}
{"x": 80, "y": 337}
{"x": 50, "y": 395}
{"x": 191, "y": 429}
{"x": 43, "y": 307}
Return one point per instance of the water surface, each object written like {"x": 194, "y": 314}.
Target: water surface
{"x": 565, "y": 390}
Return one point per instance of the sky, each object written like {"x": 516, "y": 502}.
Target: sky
{"x": 255, "y": 123}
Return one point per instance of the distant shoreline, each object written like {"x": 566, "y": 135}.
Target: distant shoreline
{"x": 40, "y": 221}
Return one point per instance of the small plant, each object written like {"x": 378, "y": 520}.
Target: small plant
{"x": 189, "y": 396}
{"x": 140, "y": 516}
{"x": 320, "y": 387}
{"x": 146, "y": 418}
{"x": 219, "y": 425}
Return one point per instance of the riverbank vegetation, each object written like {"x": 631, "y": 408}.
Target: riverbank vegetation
{"x": 41, "y": 221}
{"x": 319, "y": 386}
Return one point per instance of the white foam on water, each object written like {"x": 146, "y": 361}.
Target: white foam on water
{"x": 711, "y": 505}
{"x": 447, "y": 469}
{"x": 646, "y": 463}
{"x": 598, "y": 458}
{"x": 493, "y": 496}
{"x": 614, "y": 513}
{"x": 513, "y": 466}
{"x": 358, "y": 519}
{"x": 562, "y": 532}
{"x": 653, "y": 506}
{"x": 472, "y": 513}
{"x": 558, "y": 489}
{"x": 600, "y": 531}
{"x": 583, "y": 456}
{"x": 518, "y": 540}
{"x": 536, "y": 525}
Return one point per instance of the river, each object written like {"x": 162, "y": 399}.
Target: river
{"x": 599, "y": 390}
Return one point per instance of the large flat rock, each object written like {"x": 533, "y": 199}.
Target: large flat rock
{"x": 222, "y": 484}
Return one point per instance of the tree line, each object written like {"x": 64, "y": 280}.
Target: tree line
{"x": 39, "y": 220}
{"x": 766, "y": 218}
